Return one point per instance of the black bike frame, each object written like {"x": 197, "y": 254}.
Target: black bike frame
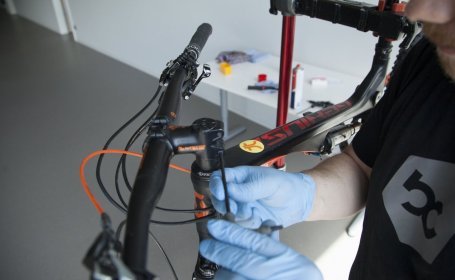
{"x": 308, "y": 132}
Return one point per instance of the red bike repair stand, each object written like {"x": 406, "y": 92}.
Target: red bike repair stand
{"x": 287, "y": 48}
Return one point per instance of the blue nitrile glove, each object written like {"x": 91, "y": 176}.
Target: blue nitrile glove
{"x": 245, "y": 254}
{"x": 258, "y": 194}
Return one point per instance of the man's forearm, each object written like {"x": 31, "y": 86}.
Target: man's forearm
{"x": 341, "y": 186}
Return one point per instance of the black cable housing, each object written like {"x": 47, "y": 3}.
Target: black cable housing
{"x": 106, "y": 146}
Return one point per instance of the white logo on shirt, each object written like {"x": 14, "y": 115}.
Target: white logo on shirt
{"x": 420, "y": 200}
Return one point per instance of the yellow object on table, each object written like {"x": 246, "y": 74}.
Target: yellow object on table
{"x": 225, "y": 68}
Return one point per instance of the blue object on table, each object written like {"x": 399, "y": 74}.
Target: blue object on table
{"x": 234, "y": 57}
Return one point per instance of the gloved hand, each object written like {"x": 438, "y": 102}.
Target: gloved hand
{"x": 258, "y": 194}
{"x": 245, "y": 254}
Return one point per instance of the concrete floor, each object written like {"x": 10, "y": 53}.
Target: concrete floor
{"x": 59, "y": 101}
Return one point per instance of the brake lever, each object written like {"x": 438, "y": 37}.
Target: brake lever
{"x": 206, "y": 72}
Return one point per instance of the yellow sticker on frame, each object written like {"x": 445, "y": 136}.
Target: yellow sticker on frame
{"x": 252, "y": 146}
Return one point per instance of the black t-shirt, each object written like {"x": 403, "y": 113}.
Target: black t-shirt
{"x": 409, "y": 141}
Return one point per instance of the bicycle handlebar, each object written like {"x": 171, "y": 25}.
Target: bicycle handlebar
{"x": 169, "y": 107}
{"x": 158, "y": 151}
{"x": 199, "y": 39}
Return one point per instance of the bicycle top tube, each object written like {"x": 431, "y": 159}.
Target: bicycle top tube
{"x": 308, "y": 132}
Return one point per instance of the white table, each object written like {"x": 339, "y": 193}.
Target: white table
{"x": 340, "y": 86}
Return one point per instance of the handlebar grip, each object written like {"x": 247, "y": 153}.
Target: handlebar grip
{"x": 199, "y": 39}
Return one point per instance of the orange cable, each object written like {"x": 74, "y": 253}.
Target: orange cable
{"x": 111, "y": 151}
{"x": 272, "y": 161}
{"x": 176, "y": 167}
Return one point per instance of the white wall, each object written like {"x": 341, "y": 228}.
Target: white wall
{"x": 10, "y": 7}
{"x": 48, "y": 13}
{"x": 146, "y": 34}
